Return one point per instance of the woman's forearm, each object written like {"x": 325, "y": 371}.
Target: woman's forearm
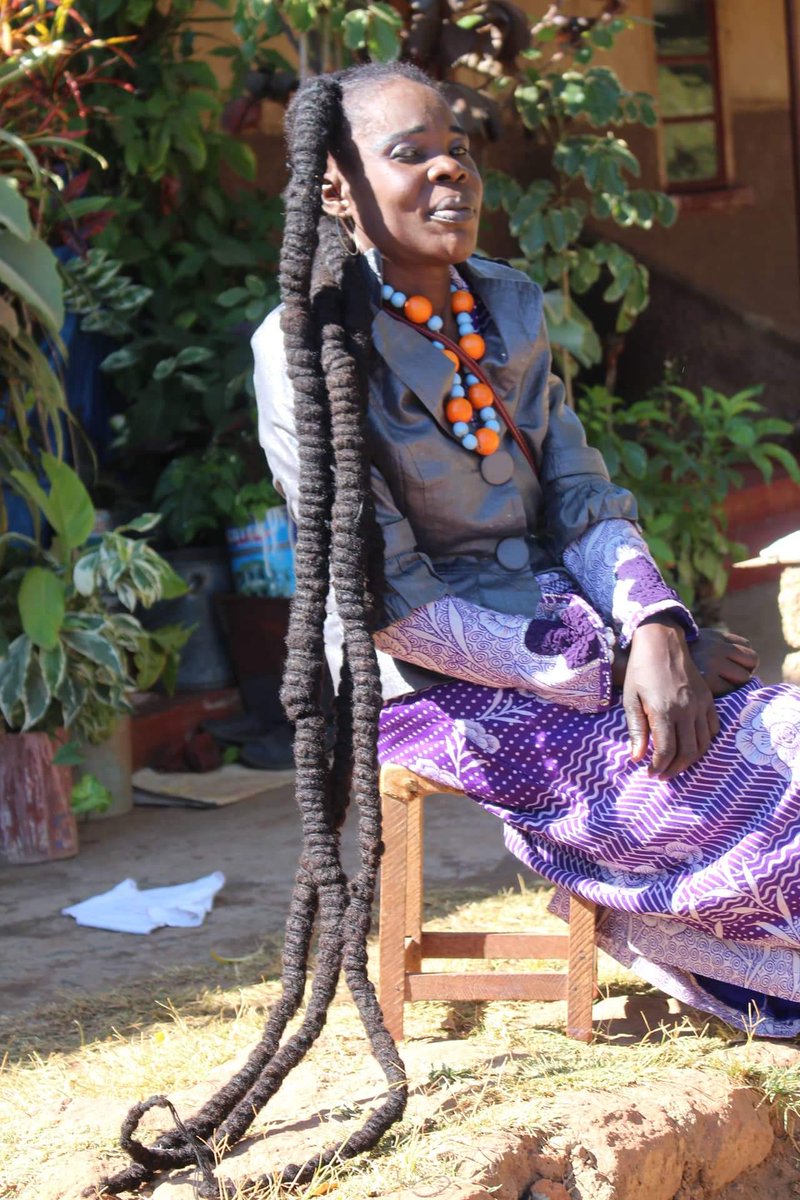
{"x": 563, "y": 655}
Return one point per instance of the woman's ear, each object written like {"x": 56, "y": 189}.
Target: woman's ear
{"x": 334, "y": 190}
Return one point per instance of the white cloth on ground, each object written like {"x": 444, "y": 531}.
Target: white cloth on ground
{"x": 126, "y": 909}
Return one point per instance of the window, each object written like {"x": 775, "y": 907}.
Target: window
{"x": 688, "y": 84}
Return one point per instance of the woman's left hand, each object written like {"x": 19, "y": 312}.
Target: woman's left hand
{"x": 666, "y": 698}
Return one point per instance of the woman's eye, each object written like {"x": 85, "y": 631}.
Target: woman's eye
{"x": 460, "y": 151}
{"x": 405, "y": 152}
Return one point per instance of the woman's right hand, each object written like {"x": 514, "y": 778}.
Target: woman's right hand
{"x": 725, "y": 660}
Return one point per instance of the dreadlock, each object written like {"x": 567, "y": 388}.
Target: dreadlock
{"x": 325, "y": 323}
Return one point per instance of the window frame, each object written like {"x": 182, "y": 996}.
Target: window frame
{"x": 722, "y": 179}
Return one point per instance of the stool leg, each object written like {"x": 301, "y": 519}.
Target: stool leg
{"x": 581, "y": 971}
{"x": 414, "y": 892}
{"x": 392, "y": 966}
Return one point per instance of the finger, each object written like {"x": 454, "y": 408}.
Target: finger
{"x": 712, "y": 717}
{"x": 745, "y": 655}
{"x": 703, "y": 735}
{"x": 735, "y": 674}
{"x": 638, "y": 727}
{"x": 736, "y": 638}
{"x": 686, "y": 750}
{"x": 665, "y": 745}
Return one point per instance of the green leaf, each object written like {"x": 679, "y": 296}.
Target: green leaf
{"x": 54, "y": 664}
{"x": 164, "y": 368}
{"x": 383, "y": 32}
{"x": 30, "y": 270}
{"x": 355, "y": 28}
{"x": 35, "y": 694}
{"x": 118, "y": 360}
{"x": 69, "y": 754}
{"x": 192, "y": 355}
{"x": 14, "y": 211}
{"x": 240, "y": 158}
{"x": 41, "y": 605}
{"x": 634, "y": 458}
{"x": 89, "y": 795}
{"x": 528, "y": 100}
{"x": 13, "y": 669}
{"x": 69, "y": 507}
{"x": 787, "y": 460}
{"x": 97, "y": 649}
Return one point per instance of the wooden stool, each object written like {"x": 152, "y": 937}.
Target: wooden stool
{"x": 404, "y": 945}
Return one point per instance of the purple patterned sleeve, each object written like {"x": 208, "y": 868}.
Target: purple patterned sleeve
{"x": 563, "y": 655}
{"x": 616, "y": 571}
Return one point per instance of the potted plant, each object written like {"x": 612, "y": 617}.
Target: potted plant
{"x": 72, "y": 650}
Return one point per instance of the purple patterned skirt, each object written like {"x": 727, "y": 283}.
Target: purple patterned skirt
{"x": 699, "y": 876}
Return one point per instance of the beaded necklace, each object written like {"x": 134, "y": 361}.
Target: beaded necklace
{"x": 470, "y": 408}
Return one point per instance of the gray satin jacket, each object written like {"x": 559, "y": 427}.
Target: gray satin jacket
{"x": 447, "y": 529}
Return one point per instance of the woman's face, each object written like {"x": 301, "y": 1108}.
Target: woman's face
{"x": 408, "y": 181}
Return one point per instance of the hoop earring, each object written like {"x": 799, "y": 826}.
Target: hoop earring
{"x": 343, "y": 233}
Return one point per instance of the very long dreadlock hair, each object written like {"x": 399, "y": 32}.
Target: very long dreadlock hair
{"x": 325, "y": 323}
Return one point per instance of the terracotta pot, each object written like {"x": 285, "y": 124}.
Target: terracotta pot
{"x": 36, "y": 821}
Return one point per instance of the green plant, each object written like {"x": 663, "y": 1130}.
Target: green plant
{"x": 588, "y": 176}
{"x": 71, "y": 648}
{"x": 89, "y": 795}
{"x": 191, "y": 232}
{"x": 50, "y": 58}
{"x": 681, "y": 454}
{"x": 199, "y": 494}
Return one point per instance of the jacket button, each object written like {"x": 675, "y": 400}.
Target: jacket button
{"x": 512, "y": 553}
{"x": 497, "y": 468}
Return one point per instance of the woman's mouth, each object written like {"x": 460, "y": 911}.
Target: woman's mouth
{"x": 453, "y": 213}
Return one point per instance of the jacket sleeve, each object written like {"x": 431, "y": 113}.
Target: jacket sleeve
{"x": 409, "y": 577}
{"x": 576, "y": 489}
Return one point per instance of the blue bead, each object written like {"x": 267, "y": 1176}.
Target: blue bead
{"x": 471, "y": 379}
{"x": 387, "y": 291}
{"x": 457, "y": 379}
{"x": 457, "y": 391}
{"x": 465, "y": 326}
{"x": 398, "y": 299}
{"x": 461, "y": 429}
{"x": 470, "y": 442}
{"x": 435, "y": 323}
{"x": 488, "y": 414}
{"x": 438, "y": 345}
{"x": 453, "y": 287}
{"x": 495, "y": 425}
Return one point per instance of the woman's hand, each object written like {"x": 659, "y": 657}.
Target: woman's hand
{"x": 666, "y": 698}
{"x": 725, "y": 660}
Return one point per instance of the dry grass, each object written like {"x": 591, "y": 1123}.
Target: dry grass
{"x": 71, "y": 1071}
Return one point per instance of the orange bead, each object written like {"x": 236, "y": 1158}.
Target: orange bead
{"x": 454, "y": 359}
{"x": 418, "y": 309}
{"x": 473, "y": 345}
{"x": 459, "y": 409}
{"x": 488, "y": 441}
{"x": 480, "y": 395}
{"x": 461, "y": 301}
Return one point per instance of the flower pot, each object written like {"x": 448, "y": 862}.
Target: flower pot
{"x": 36, "y": 821}
{"x": 205, "y": 664}
{"x": 262, "y": 556}
{"x": 111, "y": 762}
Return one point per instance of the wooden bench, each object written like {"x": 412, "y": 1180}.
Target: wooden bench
{"x": 404, "y": 944}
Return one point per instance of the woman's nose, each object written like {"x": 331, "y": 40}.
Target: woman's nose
{"x": 444, "y": 166}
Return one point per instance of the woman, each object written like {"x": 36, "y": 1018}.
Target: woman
{"x": 489, "y": 589}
